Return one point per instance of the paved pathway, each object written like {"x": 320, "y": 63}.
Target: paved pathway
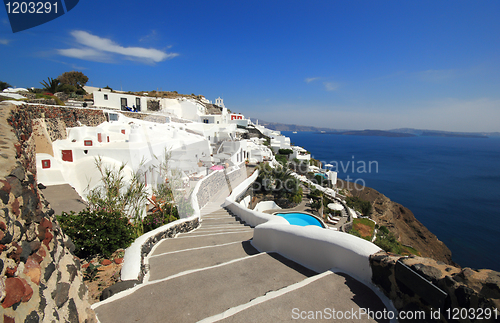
{"x": 213, "y": 273}
{"x": 63, "y": 198}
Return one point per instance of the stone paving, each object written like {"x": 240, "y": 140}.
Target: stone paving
{"x": 213, "y": 273}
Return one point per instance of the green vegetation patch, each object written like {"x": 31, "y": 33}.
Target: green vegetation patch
{"x": 97, "y": 232}
{"x": 358, "y": 204}
{"x": 387, "y": 241}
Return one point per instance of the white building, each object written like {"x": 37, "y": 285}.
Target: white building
{"x": 120, "y": 101}
{"x": 141, "y": 145}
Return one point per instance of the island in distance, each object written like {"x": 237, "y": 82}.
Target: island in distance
{"x": 401, "y": 132}
{"x": 376, "y": 133}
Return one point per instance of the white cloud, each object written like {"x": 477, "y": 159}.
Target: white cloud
{"x": 437, "y": 75}
{"x": 85, "y": 54}
{"x": 151, "y": 36}
{"x": 311, "y": 79}
{"x": 4, "y": 41}
{"x": 331, "y": 86}
{"x": 95, "y": 48}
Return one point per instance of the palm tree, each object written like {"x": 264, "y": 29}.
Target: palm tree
{"x": 50, "y": 86}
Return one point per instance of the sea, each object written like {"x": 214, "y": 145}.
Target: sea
{"x": 452, "y": 185}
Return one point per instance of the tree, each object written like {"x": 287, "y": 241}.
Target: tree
{"x": 4, "y": 85}
{"x": 51, "y": 85}
{"x": 77, "y": 79}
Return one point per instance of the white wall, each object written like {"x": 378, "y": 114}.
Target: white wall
{"x": 316, "y": 248}
{"x": 266, "y": 205}
{"x": 114, "y": 100}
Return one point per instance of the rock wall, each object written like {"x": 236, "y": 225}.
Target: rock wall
{"x": 210, "y": 187}
{"x": 469, "y": 291}
{"x": 40, "y": 278}
{"x": 237, "y": 176}
{"x": 146, "y": 117}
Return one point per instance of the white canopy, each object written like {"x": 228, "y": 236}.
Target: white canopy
{"x": 335, "y": 206}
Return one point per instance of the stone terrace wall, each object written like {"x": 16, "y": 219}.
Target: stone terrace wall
{"x": 57, "y": 119}
{"x": 210, "y": 187}
{"x": 154, "y": 117}
{"x": 467, "y": 288}
{"x": 145, "y": 117}
{"x": 40, "y": 278}
{"x": 237, "y": 176}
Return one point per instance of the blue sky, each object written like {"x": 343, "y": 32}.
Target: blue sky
{"x": 339, "y": 64}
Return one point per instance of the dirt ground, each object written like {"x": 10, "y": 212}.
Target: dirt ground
{"x": 363, "y": 229}
{"x": 105, "y": 274}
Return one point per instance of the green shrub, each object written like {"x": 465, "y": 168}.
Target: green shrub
{"x": 285, "y": 151}
{"x": 387, "y": 241}
{"x": 66, "y": 88}
{"x": 359, "y": 205}
{"x": 282, "y": 159}
{"x": 97, "y": 232}
{"x": 155, "y": 220}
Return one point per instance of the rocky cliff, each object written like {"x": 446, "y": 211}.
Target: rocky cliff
{"x": 40, "y": 278}
{"x": 402, "y": 223}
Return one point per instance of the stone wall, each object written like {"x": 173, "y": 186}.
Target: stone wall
{"x": 40, "y": 278}
{"x": 210, "y": 187}
{"x": 169, "y": 233}
{"x": 466, "y": 288}
{"x": 146, "y": 117}
{"x": 57, "y": 119}
{"x": 237, "y": 176}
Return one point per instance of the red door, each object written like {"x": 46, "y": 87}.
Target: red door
{"x": 67, "y": 155}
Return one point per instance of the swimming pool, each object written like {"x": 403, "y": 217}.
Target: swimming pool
{"x": 301, "y": 219}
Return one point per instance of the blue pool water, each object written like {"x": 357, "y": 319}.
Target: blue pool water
{"x": 320, "y": 174}
{"x": 301, "y": 219}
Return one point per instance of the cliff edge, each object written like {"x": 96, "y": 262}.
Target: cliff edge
{"x": 402, "y": 223}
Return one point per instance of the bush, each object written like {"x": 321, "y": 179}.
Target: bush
{"x": 285, "y": 151}
{"x": 97, "y": 232}
{"x": 66, "y": 88}
{"x": 282, "y": 159}
{"x": 387, "y": 241}
{"x": 167, "y": 214}
{"x": 359, "y": 205}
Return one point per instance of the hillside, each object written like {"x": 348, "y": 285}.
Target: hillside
{"x": 403, "y": 224}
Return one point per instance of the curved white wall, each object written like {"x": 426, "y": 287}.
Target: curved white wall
{"x": 317, "y": 248}
{"x": 266, "y": 205}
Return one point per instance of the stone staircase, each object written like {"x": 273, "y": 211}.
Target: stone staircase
{"x": 213, "y": 273}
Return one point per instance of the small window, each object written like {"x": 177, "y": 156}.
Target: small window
{"x": 46, "y": 163}
{"x": 87, "y": 142}
{"x": 105, "y": 96}
{"x": 123, "y": 131}
{"x": 99, "y": 137}
{"x": 85, "y": 151}
{"x": 113, "y": 117}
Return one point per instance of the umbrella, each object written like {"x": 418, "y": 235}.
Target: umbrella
{"x": 335, "y": 206}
